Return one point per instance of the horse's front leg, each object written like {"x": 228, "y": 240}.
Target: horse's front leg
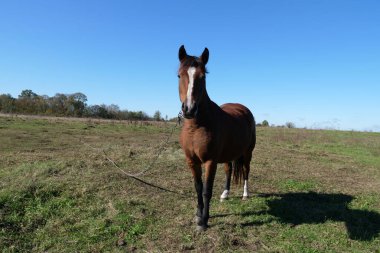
{"x": 196, "y": 170}
{"x": 210, "y": 168}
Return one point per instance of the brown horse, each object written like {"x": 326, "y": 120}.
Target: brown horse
{"x": 212, "y": 134}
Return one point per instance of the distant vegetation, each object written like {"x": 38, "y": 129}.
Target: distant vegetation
{"x": 265, "y": 123}
{"x": 290, "y": 125}
{"x": 75, "y": 105}
{"x": 67, "y": 105}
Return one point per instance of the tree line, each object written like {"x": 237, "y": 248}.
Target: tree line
{"x": 67, "y": 105}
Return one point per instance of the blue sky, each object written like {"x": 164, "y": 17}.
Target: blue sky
{"x": 314, "y": 63}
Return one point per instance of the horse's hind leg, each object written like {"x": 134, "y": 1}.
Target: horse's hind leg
{"x": 246, "y": 169}
{"x": 246, "y": 162}
{"x": 228, "y": 170}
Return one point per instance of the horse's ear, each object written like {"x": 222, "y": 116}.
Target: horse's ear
{"x": 182, "y": 53}
{"x": 204, "y": 56}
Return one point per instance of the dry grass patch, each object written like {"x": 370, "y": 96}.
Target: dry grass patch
{"x": 313, "y": 191}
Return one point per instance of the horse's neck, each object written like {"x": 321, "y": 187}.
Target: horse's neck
{"x": 207, "y": 115}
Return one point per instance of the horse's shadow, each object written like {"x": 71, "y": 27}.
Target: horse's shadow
{"x": 313, "y": 208}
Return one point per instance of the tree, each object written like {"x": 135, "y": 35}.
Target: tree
{"x": 265, "y": 123}
{"x": 113, "y": 111}
{"x": 76, "y": 103}
{"x": 29, "y": 94}
{"x": 98, "y": 111}
{"x": 7, "y": 103}
{"x": 157, "y": 116}
{"x": 26, "y": 102}
{"x": 41, "y": 105}
{"x": 59, "y": 104}
{"x": 290, "y": 125}
{"x": 140, "y": 115}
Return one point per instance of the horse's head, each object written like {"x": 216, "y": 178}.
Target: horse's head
{"x": 192, "y": 81}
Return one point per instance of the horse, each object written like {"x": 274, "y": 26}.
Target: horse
{"x": 212, "y": 134}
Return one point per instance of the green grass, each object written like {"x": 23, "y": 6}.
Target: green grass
{"x": 292, "y": 185}
{"x": 312, "y": 191}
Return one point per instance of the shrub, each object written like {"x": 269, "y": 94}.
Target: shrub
{"x": 290, "y": 125}
{"x": 265, "y": 123}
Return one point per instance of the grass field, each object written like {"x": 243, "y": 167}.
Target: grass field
{"x": 312, "y": 191}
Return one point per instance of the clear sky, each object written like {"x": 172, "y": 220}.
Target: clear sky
{"x": 312, "y": 62}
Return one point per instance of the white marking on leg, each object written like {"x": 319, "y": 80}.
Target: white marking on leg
{"x": 245, "y": 194}
{"x": 190, "y": 72}
{"x": 224, "y": 195}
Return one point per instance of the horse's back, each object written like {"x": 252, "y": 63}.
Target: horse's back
{"x": 238, "y": 111}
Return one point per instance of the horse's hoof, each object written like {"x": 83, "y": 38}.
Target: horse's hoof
{"x": 245, "y": 198}
{"x": 197, "y": 219}
{"x": 224, "y": 195}
{"x": 201, "y": 228}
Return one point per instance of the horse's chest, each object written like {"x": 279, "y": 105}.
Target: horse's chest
{"x": 198, "y": 145}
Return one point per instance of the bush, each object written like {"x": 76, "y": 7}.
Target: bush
{"x": 157, "y": 116}
{"x": 265, "y": 123}
{"x": 290, "y": 125}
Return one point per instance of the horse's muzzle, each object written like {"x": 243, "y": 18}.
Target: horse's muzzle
{"x": 190, "y": 112}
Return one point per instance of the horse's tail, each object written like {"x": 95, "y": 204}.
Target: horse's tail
{"x": 237, "y": 167}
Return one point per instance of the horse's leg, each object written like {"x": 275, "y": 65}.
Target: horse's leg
{"x": 196, "y": 170}
{"x": 246, "y": 168}
{"x": 228, "y": 170}
{"x": 207, "y": 193}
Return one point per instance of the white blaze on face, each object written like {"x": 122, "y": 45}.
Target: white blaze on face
{"x": 190, "y": 72}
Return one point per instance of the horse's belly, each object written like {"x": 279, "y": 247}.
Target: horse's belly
{"x": 235, "y": 144}
{"x": 226, "y": 146}
{"x": 220, "y": 152}
{"x": 232, "y": 152}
